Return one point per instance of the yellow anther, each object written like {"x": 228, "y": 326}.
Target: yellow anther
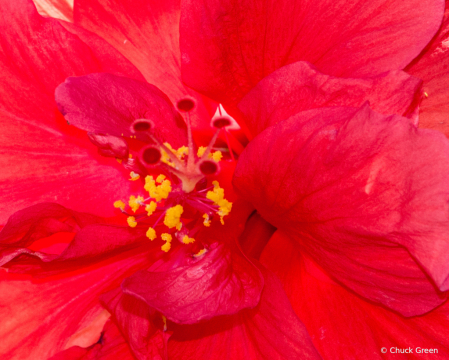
{"x": 221, "y": 220}
{"x": 149, "y": 183}
{"x": 225, "y": 207}
{"x": 201, "y": 151}
{"x": 179, "y": 226}
{"x": 201, "y": 252}
{"x": 118, "y": 160}
{"x": 166, "y": 237}
{"x": 164, "y": 189}
{"x": 187, "y": 240}
{"x": 173, "y": 216}
{"x": 150, "y": 208}
{"x": 160, "y": 178}
{"x": 164, "y": 320}
{"x": 165, "y": 158}
{"x": 158, "y": 192}
{"x": 217, "y": 196}
{"x": 134, "y": 176}
{"x": 217, "y": 156}
{"x": 166, "y": 247}
{"x": 119, "y": 204}
{"x": 130, "y": 156}
{"x": 134, "y": 203}
{"x": 206, "y": 221}
{"x": 181, "y": 152}
{"x": 151, "y": 234}
{"x": 131, "y": 221}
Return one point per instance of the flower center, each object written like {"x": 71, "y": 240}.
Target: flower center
{"x": 183, "y": 199}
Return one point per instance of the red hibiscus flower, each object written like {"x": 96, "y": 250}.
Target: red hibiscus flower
{"x": 358, "y": 196}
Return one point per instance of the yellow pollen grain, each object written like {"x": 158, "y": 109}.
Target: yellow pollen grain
{"x": 150, "y": 208}
{"x": 134, "y": 203}
{"x": 160, "y": 178}
{"x": 201, "y": 252}
{"x": 151, "y": 234}
{"x": 118, "y": 160}
{"x": 134, "y": 176}
{"x": 157, "y": 192}
{"x": 166, "y": 237}
{"x": 166, "y": 247}
{"x": 173, "y": 216}
{"x": 164, "y": 189}
{"x": 149, "y": 183}
{"x": 201, "y": 151}
{"x": 164, "y": 320}
{"x": 217, "y": 196}
{"x": 426, "y": 95}
{"x": 119, "y": 204}
{"x": 206, "y": 221}
{"x": 217, "y": 156}
{"x": 181, "y": 152}
{"x": 166, "y": 159}
{"x": 131, "y": 221}
{"x": 179, "y": 226}
{"x": 130, "y": 156}
{"x": 187, "y": 240}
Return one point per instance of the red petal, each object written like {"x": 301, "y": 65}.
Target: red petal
{"x": 256, "y": 235}
{"x": 61, "y": 9}
{"x": 299, "y": 87}
{"x": 354, "y": 188}
{"x": 112, "y": 346}
{"x": 269, "y": 331}
{"x": 108, "y": 104}
{"x": 220, "y": 282}
{"x": 135, "y": 321}
{"x": 432, "y": 67}
{"x": 228, "y": 46}
{"x": 31, "y": 224}
{"x": 93, "y": 242}
{"x": 341, "y": 324}
{"x": 31, "y": 46}
{"x": 32, "y": 136}
{"x": 147, "y": 33}
{"x": 43, "y": 315}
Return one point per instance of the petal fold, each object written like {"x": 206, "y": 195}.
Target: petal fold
{"x": 111, "y": 346}
{"x": 137, "y": 322}
{"x": 359, "y": 192}
{"x": 270, "y": 331}
{"x": 431, "y": 66}
{"x": 219, "y": 282}
{"x": 93, "y": 240}
{"x": 108, "y": 104}
{"x": 335, "y": 316}
{"x": 300, "y": 86}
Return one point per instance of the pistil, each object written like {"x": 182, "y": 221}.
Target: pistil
{"x": 186, "y": 205}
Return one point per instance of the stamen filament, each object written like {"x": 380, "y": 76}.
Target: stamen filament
{"x": 209, "y": 147}
{"x": 229, "y": 145}
{"x": 190, "y": 155}
{"x": 168, "y": 151}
